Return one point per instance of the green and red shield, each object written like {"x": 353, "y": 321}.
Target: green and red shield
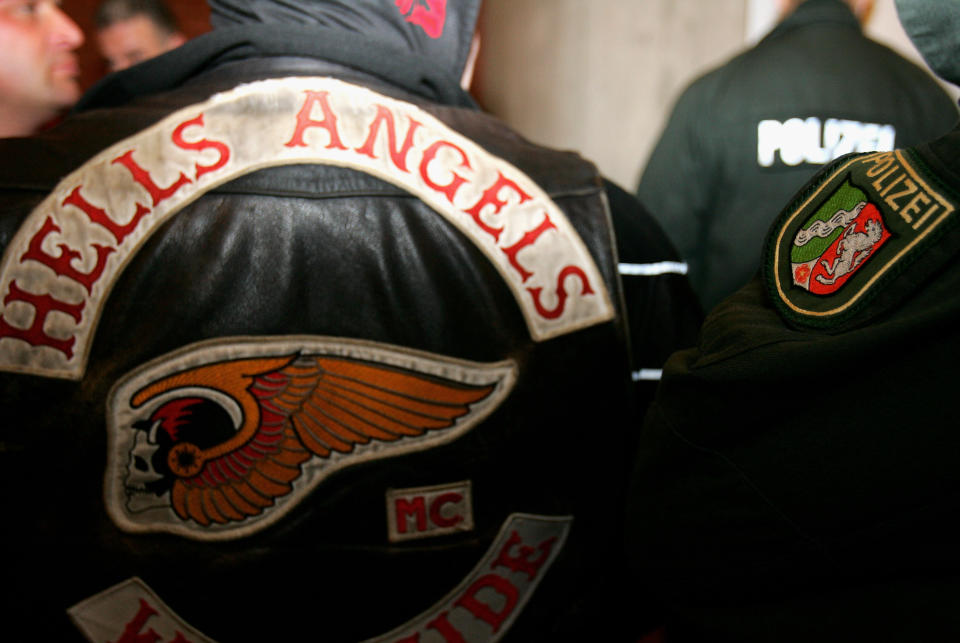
{"x": 836, "y": 241}
{"x": 859, "y": 239}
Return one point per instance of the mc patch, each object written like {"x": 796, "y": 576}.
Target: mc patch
{"x": 839, "y": 249}
{"x": 223, "y": 438}
{"x": 427, "y": 512}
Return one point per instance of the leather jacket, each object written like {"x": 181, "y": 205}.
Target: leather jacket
{"x": 495, "y": 510}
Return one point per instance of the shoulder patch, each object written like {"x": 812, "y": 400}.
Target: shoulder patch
{"x": 835, "y": 254}
{"x": 58, "y": 270}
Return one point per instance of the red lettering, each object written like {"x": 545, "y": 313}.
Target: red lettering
{"x": 43, "y": 305}
{"x": 482, "y": 610}
{"x": 100, "y": 216}
{"x": 398, "y": 156}
{"x": 437, "y": 518}
{"x": 62, "y": 263}
{"x": 132, "y": 631}
{"x": 143, "y": 177}
{"x": 405, "y": 508}
{"x": 450, "y": 189}
{"x": 448, "y": 631}
{"x": 521, "y": 563}
{"x": 430, "y": 17}
{"x": 491, "y": 197}
{"x": 528, "y": 239}
{"x": 199, "y": 146}
{"x": 304, "y": 121}
{"x": 561, "y": 292}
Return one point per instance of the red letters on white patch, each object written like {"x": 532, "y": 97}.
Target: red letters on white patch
{"x": 425, "y": 512}
{"x": 57, "y": 272}
{"x": 130, "y": 612}
{"x": 481, "y": 609}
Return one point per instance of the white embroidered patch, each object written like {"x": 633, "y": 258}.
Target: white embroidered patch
{"x": 131, "y": 611}
{"x": 58, "y": 270}
{"x": 221, "y": 439}
{"x": 426, "y": 512}
{"x": 807, "y": 140}
{"x": 483, "y": 607}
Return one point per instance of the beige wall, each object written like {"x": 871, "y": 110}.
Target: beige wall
{"x": 600, "y": 76}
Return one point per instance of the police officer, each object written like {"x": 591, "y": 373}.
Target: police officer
{"x": 824, "y": 508}
{"x": 746, "y": 136}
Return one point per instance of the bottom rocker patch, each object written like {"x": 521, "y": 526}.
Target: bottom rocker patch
{"x": 481, "y": 609}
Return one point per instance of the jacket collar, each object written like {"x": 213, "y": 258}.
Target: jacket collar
{"x": 817, "y": 12}
{"x": 405, "y": 69}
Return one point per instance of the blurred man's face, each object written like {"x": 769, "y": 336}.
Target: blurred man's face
{"x": 134, "y": 40}
{"x": 38, "y": 69}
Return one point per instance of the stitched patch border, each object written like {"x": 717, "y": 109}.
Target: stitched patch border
{"x": 427, "y": 512}
{"x": 910, "y": 209}
{"x": 223, "y": 438}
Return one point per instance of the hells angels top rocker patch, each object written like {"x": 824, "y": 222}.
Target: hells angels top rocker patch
{"x": 835, "y": 254}
{"x": 223, "y": 438}
{"x": 59, "y": 268}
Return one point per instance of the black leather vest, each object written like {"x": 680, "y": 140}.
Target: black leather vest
{"x": 304, "y": 400}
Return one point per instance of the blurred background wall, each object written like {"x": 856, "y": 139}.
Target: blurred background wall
{"x": 599, "y": 77}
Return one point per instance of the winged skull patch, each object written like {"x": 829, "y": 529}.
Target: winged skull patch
{"x": 221, "y": 439}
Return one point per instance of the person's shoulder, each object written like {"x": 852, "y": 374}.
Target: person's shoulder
{"x": 885, "y": 59}
{"x": 862, "y": 238}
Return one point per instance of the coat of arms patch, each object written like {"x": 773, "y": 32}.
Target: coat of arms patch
{"x": 836, "y": 241}
{"x": 840, "y": 252}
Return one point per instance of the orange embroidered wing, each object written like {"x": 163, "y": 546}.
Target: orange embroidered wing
{"x": 309, "y": 406}
{"x": 355, "y": 402}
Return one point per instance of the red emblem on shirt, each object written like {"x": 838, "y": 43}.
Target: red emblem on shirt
{"x": 428, "y": 14}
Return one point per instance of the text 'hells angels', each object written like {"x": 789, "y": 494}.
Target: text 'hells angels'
{"x": 60, "y": 267}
